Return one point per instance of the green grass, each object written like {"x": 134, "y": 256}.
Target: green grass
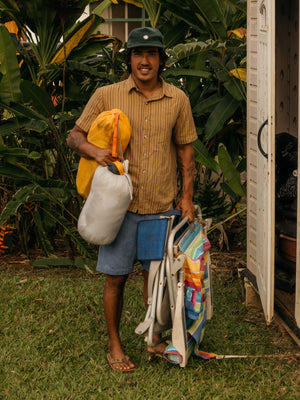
{"x": 54, "y": 344}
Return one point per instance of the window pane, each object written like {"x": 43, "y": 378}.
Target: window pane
{"x": 134, "y": 12}
{"x": 118, "y": 30}
{"x": 133, "y": 25}
{"x": 118, "y": 10}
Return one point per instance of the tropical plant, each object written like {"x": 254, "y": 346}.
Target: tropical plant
{"x": 40, "y": 104}
{"x": 206, "y": 44}
{"x": 50, "y": 66}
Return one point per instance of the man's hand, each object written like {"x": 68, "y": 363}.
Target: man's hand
{"x": 186, "y": 165}
{"x": 187, "y": 208}
{"x": 104, "y": 156}
{"x": 77, "y": 141}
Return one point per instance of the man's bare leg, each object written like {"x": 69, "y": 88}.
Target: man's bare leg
{"x": 159, "y": 348}
{"x": 113, "y": 304}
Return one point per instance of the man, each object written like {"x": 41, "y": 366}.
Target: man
{"x": 162, "y": 132}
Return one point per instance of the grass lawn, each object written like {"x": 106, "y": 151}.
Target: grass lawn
{"x": 54, "y": 343}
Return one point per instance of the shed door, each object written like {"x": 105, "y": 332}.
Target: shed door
{"x": 265, "y": 155}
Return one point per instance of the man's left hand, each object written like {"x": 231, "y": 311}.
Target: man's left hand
{"x": 187, "y": 208}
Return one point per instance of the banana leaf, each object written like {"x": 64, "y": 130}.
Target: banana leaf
{"x": 206, "y": 105}
{"x": 9, "y": 69}
{"x": 19, "y": 152}
{"x": 239, "y": 73}
{"x": 230, "y": 172}
{"x": 19, "y": 109}
{"x": 207, "y": 16}
{"x": 83, "y": 29}
{"x": 72, "y": 232}
{"x": 222, "y": 113}
{"x": 94, "y": 45}
{"x": 53, "y": 262}
{"x": 20, "y": 197}
{"x": 153, "y": 10}
{"x": 12, "y": 125}
{"x": 41, "y": 234}
{"x": 38, "y": 97}
{"x": 17, "y": 173}
{"x": 239, "y": 4}
{"x": 186, "y": 72}
{"x": 185, "y": 50}
{"x": 203, "y": 157}
{"x": 99, "y": 10}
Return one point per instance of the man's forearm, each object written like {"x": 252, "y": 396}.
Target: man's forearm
{"x": 186, "y": 166}
{"x": 77, "y": 141}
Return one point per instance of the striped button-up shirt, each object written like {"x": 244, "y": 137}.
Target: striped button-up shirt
{"x": 157, "y": 125}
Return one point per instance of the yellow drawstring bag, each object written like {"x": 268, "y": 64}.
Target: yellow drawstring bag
{"x": 104, "y": 133}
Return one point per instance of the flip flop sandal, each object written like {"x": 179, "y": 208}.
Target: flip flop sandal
{"x": 113, "y": 362}
{"x": 153, "y": 354}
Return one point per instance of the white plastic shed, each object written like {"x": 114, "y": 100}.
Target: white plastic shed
{"x": 272, "y": 108}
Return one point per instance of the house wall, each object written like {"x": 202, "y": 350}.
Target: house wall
{"x": 286, "y": 101}
{"x": 252, "y": 129}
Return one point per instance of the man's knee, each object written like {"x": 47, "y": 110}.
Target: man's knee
{"x": 115, "y": 282}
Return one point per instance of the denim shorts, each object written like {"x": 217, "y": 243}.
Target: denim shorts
{"x": 119, "y": 257}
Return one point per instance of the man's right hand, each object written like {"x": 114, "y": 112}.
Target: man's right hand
{"x": 103, "y": 156}
{"x": 77, "y": 141}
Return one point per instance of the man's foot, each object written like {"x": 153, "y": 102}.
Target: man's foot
{"x": 157, "y": 349}
{"x": 120, "y": 364}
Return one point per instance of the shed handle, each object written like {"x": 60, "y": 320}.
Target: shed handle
{"x": 259, "y": 139}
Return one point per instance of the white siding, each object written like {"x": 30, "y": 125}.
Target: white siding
{"x": 251, "y": 132}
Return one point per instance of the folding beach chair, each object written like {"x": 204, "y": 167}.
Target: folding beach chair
{"x": 179, "y": 285}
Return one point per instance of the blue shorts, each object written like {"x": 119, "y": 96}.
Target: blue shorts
{"x": 119, "y": 257}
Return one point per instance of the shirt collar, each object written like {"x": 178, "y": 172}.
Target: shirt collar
{"x": 165, "y": 89}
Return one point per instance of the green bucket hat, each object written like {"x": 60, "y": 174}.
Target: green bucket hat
{"x": 145, "y": 37}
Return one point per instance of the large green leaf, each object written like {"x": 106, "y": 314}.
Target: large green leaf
{"x": 41, "y": 234}
{"x": 230, "y": 172}
{"x": 16, "y": 152}
{"x": 235, "y": 89}
{"x": 185, "y": 50}
{"x": 184, "y": 13}
{"x": 153, "y": 10}
{"x": 213, "y": 13}
{"x": 186, "y": 72}
{"x": 14, "y": 124}
{"x": 53, "y": 262}
{"x": 221, "y": 114}
{"x": 17, "y": 173}
{"x": 99, "y": 10}
{"x": 206, "y": 105}
{"x": 38, "y": 97}
{"x": 20, "y": 197}
{"x": 202, "y": 156}
{"x": 76, "y": 36}
{"x": 239, "y": 4}
{"x": 9, "y": 68}
{"x": 71, "y": 231}
{"x": 19, "y": 109}
{"x": 203, "y": 15}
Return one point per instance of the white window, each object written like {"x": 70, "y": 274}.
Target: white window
{"x": 121, "y": 18}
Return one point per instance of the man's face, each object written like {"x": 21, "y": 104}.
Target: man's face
{"x": 145, "y": 63}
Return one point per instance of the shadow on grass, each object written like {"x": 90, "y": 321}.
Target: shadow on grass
{"x": 54, "y": 343}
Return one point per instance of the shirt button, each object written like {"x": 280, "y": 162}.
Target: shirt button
{"x": 145, "y": 154}
{"x": 146, "y": 120}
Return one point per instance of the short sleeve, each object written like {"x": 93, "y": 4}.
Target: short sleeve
{"x": 91, "y": 111}
{"x": 184, "y": 130}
